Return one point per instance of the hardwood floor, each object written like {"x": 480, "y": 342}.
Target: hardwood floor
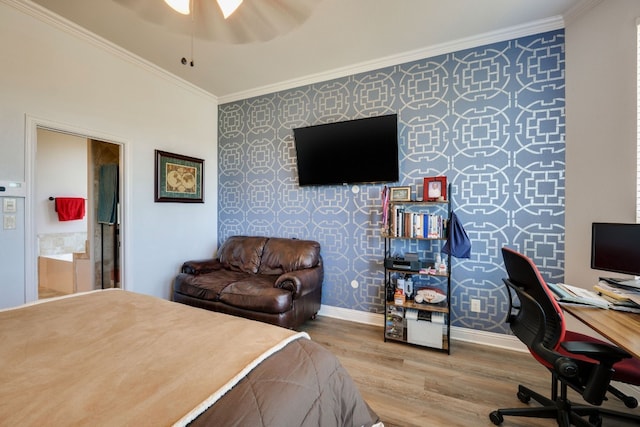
{"x": 412, "y": 386}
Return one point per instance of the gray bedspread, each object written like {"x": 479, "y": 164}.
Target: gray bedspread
{"x": 301, "y": 385}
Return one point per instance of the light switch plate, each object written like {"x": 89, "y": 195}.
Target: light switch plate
{"x": 9, "y": 205}
{"x": 9, "y": 222}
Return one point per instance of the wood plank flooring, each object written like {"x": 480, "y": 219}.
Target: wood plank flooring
{"x": 411, "y": 386}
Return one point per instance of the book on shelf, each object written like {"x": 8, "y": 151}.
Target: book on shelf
{"x": 420, "y": 225}
{"x": 575, "y": 295}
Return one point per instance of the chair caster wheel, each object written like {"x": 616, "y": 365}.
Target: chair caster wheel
{"x": 596, "y": 420}
{"x": 630, "y": 402}
{"x": 496, "y": 418}
{"x": 523, "y": 397}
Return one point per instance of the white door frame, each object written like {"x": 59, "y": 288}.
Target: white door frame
{"x": 31, "y": 250}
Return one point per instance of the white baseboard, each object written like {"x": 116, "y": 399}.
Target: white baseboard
{"x": 508, "y": 342}
{"x": 351, "y": 315}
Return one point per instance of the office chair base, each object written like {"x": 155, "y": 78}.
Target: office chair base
{"x": 561, "y": 409}
{"x": 629, "y": 401}
{"x": 557, "y": 409}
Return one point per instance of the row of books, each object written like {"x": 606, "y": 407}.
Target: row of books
{"x": 605, "y": 295}
{"x": 418, "y": 225}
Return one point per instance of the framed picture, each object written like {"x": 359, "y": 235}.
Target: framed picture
{"x": 178, "y": 178}
{"x": 435, "y": 189}
{"x": 400, "y": 194}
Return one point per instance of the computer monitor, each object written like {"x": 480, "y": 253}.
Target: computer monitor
{"x": 615, "y": 247}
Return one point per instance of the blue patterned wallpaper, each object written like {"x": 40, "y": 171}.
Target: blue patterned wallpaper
{"x": 490, "y": 118}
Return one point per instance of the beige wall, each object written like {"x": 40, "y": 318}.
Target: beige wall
{"x": 600, "y": 128}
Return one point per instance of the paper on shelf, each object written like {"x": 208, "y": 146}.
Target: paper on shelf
{"x": 411, "y": 314}
{"x": 437, "y": 318}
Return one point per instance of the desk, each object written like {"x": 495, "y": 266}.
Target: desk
{"x": 621, "y": 328}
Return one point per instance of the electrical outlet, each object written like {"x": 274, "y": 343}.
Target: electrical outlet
{"x": 9, "y": 205}
{"x": 476, "y": 307}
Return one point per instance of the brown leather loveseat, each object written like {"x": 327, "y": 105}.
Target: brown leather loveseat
{"x": 270, "y": 279}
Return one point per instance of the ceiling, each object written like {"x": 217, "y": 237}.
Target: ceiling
{"x": 269, "y": 42}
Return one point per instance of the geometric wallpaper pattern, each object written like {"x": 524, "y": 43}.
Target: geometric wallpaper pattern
{"x": 490, "y": 118}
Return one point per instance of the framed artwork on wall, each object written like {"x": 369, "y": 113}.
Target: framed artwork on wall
{"x": 400, "y": 194}
{"x": 178, "y": 178}
{"x": 434, "y": 189}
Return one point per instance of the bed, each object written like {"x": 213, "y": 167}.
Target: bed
{"x": 115, "y": 358}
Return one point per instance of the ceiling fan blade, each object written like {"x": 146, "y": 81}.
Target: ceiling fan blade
{"x": 228, "y": 6}
{"x": 253, "y": 21}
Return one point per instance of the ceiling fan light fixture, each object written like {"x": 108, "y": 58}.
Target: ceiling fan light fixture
{"x": 180, "y": 6}
{"x": 228, "y": 6}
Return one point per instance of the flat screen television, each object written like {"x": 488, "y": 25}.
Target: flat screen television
{"x": 349, "y": 152}
{"x": 615, "y": 247}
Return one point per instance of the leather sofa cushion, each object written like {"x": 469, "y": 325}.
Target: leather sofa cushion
{"x": 250, "y": 292}
{"x": 207, "y": 286}
{"x": 257, "y": 294}
{"x": 282, "y": 255}
{"x": 242, "y": 253}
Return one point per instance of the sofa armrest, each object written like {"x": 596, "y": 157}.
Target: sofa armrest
{"x": 203, "y": 266}
{"x": 301, "y": 282}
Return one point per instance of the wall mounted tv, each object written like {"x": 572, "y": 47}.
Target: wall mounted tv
{"x": 616, "y": 247}
{"x": 349, "y": 152}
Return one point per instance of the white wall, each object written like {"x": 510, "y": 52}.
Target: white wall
{"x": 61, "y": 172}
{"x": 60, "y": 75}
{"x": 601, "y": 128}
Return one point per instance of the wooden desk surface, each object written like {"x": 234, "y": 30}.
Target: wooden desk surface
{"x": 623, "y": 329}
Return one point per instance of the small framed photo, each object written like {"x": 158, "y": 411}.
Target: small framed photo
{"x": 435, "y": 189}
{"x": 400, "y": 194}
{"x": 178, "y": 178}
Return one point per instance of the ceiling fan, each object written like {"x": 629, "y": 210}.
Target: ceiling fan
{"x": 184, "y": 6}
{"x": 245, "y": 22}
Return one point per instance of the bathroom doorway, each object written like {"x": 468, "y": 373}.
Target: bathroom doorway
{"x": 80, "y": 251}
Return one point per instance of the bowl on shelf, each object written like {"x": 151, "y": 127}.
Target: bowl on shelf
{"x": 430, "y": 296}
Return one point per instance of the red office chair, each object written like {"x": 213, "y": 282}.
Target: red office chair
{"x": 585, "y": 364}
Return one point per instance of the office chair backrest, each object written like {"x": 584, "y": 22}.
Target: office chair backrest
{"x": 524, "y": 274}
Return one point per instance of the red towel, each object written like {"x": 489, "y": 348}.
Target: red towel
{"x": 69, "y": 208}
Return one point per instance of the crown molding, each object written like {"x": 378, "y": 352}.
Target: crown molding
{"x": 534, "y": 27}
{"x": 580, "y": 9}
{"x": 44, "y": 15}
{"x": 50, "y": 18}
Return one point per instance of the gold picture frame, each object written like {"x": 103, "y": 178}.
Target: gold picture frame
{"x": 178, "y": 178}
{"x": 400, "y": 194}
